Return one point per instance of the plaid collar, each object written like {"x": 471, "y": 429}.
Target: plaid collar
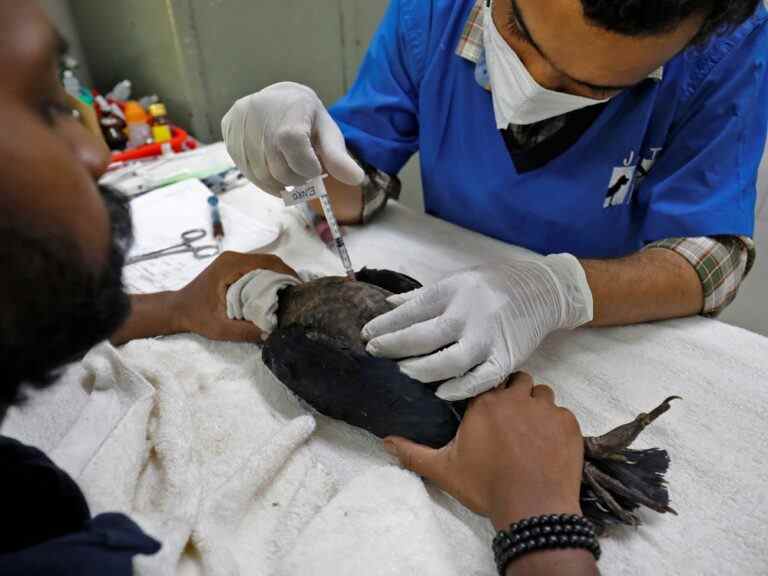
{"x": 471, "y": 42}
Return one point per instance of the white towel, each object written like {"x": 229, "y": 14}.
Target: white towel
{"x": 48, "y": 414}
{"x": 216, "y": 413}
{"x": 193, "y": 454}
{"x": 382, "y": 523}
{"x": 218, "y": 425}
{"x": 255, "y": 297}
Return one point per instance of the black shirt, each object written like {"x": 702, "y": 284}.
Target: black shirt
{"x": 47, "y": 529}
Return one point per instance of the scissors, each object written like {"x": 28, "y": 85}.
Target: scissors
{"x": 187, "y": 238}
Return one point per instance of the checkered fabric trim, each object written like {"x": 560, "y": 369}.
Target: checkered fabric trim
{"x": 471, "y": 41}
{"x": 722, "y": 263}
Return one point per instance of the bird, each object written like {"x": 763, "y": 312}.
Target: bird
{"x": 318, "y": 353}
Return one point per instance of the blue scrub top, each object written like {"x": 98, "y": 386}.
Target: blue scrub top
{"x": 666, "y": 159}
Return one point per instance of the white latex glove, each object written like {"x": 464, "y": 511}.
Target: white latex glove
{"x": 479, "y": 326}
{"x": 279, "y": 136}
{"x": 255, "y": 297}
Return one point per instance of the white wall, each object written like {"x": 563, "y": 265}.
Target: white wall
{"x": 762, "y": 194}
{"x": 750, "y": 310}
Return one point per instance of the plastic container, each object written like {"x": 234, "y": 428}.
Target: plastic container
{"x": 161, "y": 129}
{"x": 71, "y": 83}
{"x": 137, "y": 125}
{"x": 180, "y": 142}
{"x": 121, "y": 91}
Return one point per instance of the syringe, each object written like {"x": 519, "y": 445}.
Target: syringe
{"x": 341, "y": 247}
{"x": 316, "y": 189}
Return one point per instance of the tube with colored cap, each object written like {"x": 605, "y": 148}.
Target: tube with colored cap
{"x": 217, "y": 226}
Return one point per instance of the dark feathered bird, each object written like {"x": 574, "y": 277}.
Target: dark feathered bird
{"x": 317, "y": 352}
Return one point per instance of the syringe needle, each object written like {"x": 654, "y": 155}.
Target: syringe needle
{"x": 316, "y": 189}
{"x": 341, "y": 247}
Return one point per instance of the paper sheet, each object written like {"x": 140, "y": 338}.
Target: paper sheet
{"x": 160, "y": 217}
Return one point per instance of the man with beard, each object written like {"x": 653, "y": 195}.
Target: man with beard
{"x": 62, "y": 246}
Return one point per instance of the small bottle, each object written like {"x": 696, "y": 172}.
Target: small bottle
{"x": 112, "y": 124}
{"x": 147, "y": 101}
{"x": 161, "y": 129}
{"x": 139, "y": 132}
{"x": 71, "y": 83}
{"x": 121, "y": 91}
{"x": 113, "y": 129}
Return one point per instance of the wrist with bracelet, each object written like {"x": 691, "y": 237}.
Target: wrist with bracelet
{"x": 550, "y": 532}
{"x": 377, "y": 188}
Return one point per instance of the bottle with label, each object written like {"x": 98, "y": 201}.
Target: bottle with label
{"x": 136, "y": 120}
{"x": 121, "y": 91}
{"x": 113, "y": 129}
{"x": 71, "y": 83}
{"x": 161, "y": 129}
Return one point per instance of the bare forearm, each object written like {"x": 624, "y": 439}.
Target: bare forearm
{"x": 569, "y": 562}
{"x": 555, "y": 563}
{"x": 151, "y": 315}
{"x": 347, "y": 201}
{"x": 656, "y": 284}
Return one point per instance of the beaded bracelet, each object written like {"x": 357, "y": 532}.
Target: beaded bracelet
{"x": 544, "y": 533}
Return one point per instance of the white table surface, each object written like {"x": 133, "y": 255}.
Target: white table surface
{"x": 716, "y": 437}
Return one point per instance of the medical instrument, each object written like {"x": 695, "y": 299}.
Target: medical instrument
{"x": 135, "y": 181}
{"x": 316, "y": 189}
{"x": 186, "y": 245}
{"x": 318, "y": 224}
{"x": 341, "y": 247}
{"x": 217, "y": 226}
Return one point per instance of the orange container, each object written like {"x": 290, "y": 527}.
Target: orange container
{"x": 180, "y": 142}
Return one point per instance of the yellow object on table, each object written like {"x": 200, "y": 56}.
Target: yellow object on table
{"x": 161, "y": 129}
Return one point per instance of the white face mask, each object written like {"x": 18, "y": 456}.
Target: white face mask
{"x": 517, "y": 97}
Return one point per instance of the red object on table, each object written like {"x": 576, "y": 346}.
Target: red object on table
{"x": 180, "y": 142}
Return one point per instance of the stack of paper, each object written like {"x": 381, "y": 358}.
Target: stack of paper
{"x": 160, "y": 218}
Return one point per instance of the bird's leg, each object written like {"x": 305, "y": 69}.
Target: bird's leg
{"x": 605, "y": 497}
{"x": 617, "y": 487}
{"x": 622, "y": 437}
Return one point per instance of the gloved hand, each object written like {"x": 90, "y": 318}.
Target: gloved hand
{"x": 479, "y": 326}
{"x": 280, "y": 136}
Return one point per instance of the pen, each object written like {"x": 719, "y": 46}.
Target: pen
{"x": 218, "y": 227}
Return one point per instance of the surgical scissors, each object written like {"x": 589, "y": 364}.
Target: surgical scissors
{"x": 187, "y": 238}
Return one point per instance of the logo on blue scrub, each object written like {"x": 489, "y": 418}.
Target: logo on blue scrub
{"x": 627, "y": 178}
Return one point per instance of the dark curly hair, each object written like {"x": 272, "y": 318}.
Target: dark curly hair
{"x": 650, "y": 17}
